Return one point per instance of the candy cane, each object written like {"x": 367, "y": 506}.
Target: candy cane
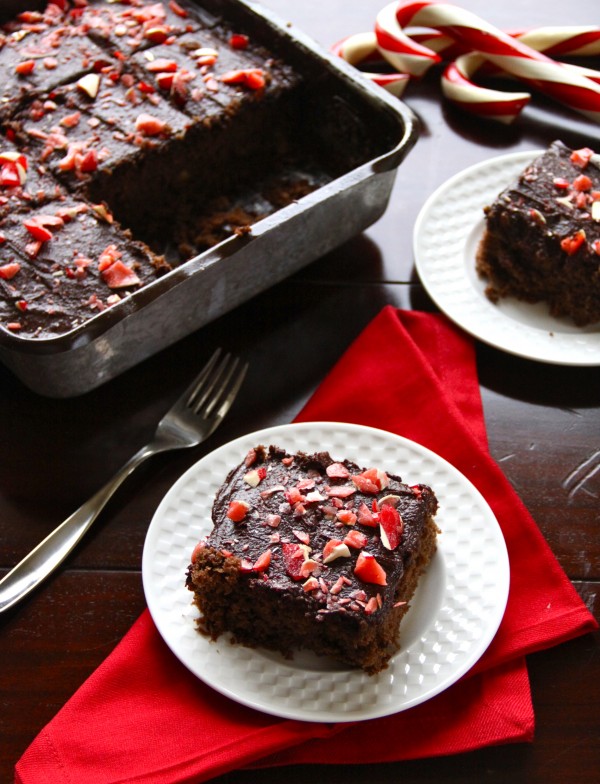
{"x": 457, "y": 79}
{"x": 509, "y": 54}
{"x": 582, "y": 41}
{"x": 360, "y": 49}
{"x": 458, "y": 87}
{"x": 553, "y": 41}
{"x": 457, "y": 84}
{"x": 406, "y": 55}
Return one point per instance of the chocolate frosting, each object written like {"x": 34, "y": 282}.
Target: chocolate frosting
{"x": 316, "y": 524}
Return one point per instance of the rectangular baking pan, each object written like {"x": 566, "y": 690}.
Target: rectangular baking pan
{"x": 216, "y": 281}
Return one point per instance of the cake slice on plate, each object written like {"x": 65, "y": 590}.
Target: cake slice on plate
{"x": 309, "y": 552}
{"x": 542, "y": 235}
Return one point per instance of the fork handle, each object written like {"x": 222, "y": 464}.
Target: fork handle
{"x": 53, "y": 550}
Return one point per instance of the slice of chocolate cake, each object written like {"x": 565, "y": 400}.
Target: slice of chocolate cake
{"x": 73, "y": 144}
{"x": 542, "y": 236}
{"x": 307, "y": 552}
{"x": 65, "y": 261}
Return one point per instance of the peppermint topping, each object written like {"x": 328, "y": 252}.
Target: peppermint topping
{"x": 318, "y": 529}
{"x": 148, "y": 125}
{"x": 255, "y": 477}
{"x": 89, "y": 84}
{"x": 581, "y": 157}
{"x": 237, "y": 511}
{"x": 8, "y": 271}
{"x": 253, "y": 78}
{"x": 335, "y": 549}
{"x": 369, "y": 570}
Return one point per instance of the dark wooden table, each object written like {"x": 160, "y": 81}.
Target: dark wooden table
{"x": 543, "y": 423}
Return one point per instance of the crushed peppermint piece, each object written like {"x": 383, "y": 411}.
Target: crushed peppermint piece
{"x": 369, "y": 570}
{"x": 89, "y": 84}
{"x": 254, "y": 78}
{"x": 119, "y": 275}
{"x": 237, "y": 511}
{"x": 573, "y": 242}
{"x": 238, "y": 41}
{"x": 8, "y": 271}
{"x": 25, "y": 67}
{"x": 581, "y": 157}
{"x": 148, "y": 125}
{"x": 335, "y": 549}
{"x": 39, "y": 226}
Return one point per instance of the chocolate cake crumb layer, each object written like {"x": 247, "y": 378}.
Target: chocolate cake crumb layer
{"x": 542, "y": 236}
{"x": 309, "y": 552}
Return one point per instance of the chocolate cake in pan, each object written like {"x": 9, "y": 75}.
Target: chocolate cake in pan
{"x": 184, "y": 132}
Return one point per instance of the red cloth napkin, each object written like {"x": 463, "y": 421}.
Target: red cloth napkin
{"x": 143, "y": 717}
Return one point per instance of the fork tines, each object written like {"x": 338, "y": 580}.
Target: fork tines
{"x": 212, "y": 387}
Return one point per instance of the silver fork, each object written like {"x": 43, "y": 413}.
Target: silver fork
{"x": 191, "y": 420}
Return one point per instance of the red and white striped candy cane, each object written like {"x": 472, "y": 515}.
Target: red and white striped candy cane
{"x": 361, "y": 49}
{"x": 457, "y": 79}
{"x": 401, "y": 51}
{"x": 553, "y": 41}
{"x": 582, "y": 41}
{"x": 508, "y": 54}
{"x": 458, "y": 86}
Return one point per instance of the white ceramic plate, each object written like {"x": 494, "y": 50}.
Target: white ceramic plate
{"x": 446, "y": 234}
{"x": 453, "y": 617}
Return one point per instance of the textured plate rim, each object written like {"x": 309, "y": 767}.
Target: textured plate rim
{"x": 168, "y": 623}
{"x": 522, "y": 338}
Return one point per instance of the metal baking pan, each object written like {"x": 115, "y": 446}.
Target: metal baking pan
{"x": 216, "y": 281}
